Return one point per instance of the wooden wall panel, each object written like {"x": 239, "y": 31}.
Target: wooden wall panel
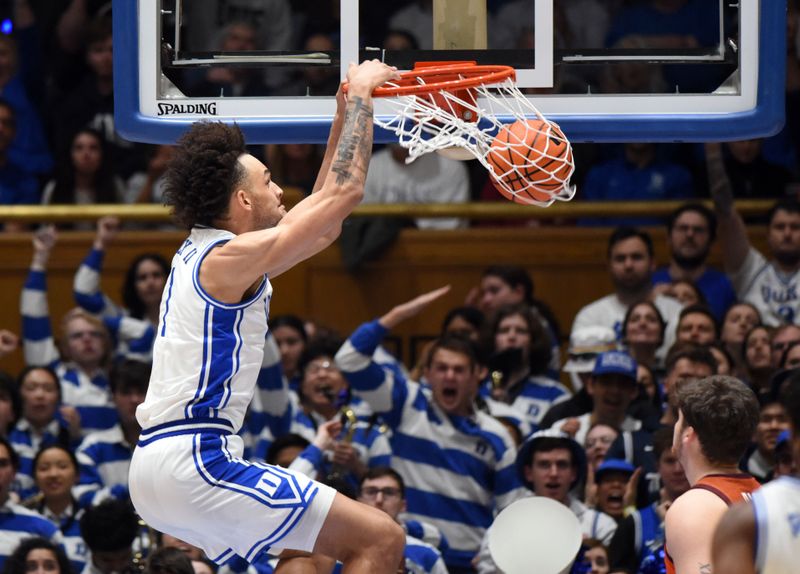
{"x": 568, "y": 266}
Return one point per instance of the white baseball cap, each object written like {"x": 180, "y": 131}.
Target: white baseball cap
{"x": 584, "y": 346}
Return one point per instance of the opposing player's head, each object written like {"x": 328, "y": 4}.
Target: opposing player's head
{"x": 213, "y": 181}
{"x": 717, "y": 417}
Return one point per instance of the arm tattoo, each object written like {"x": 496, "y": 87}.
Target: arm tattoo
{"x": 355, "y": 140}
{"x": 705, "y": 568}
{"x": 719, "y": 184}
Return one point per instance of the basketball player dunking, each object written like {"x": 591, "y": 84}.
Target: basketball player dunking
{"x": 764, "y": 536}
{"x": 187, "y": 477}
{"x": 717, "y": 417}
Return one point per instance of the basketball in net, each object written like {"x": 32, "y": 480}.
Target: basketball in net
{"x": 531, "y": 161}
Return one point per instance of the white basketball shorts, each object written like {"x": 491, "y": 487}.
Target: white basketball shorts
{"x": 198, "y": 488}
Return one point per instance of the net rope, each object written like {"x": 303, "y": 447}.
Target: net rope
{"x": 442, "y": 120}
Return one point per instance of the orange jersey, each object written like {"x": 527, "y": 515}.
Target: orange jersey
{"x": 731, "y": 488}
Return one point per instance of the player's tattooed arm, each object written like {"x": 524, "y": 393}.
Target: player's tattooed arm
{"x": 355, "y": 142}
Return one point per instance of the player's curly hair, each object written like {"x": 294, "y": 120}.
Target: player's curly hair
{"x": 204, "y": 172}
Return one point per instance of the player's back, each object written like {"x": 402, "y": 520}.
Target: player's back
{"x": 207, "y": 353}
{"x": 777, "y": 512}
{"x": 731, "y": 488}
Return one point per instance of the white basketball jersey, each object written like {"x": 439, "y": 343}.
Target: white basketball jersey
{"x": 207, "y": 354}
{"x": 777, "y": 511}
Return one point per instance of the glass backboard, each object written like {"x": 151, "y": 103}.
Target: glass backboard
{"x": 605, "y": 70}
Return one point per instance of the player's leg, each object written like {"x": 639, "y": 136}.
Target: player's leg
{"x": 364, "y": 539}
{"x": 296, "y": 562}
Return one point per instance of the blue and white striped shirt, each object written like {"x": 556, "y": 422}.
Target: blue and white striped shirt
{"x": 27, "y": 442}
{"x": 104, "y": 458}
{"x": 458, "y": 470}
{"x": 532, "y": 398}
{"x": 88, "y": 393}
{"x": 69, "y": 523}
{"x": 134, "y": 338}
{"x": 18, "y": 523}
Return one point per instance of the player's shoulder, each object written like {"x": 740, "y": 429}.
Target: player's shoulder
{"x": 696, "y": 505}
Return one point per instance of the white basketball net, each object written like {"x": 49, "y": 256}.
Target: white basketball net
{"x": 433, "y": 122}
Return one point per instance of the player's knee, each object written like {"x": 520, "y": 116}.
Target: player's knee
{"x": 392, "y": 539}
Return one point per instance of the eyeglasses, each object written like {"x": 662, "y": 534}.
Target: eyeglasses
{"x": 314, "y": 368}
{"x": 604, "y": 440}
{"x": 372, "y": 492}
{"x": 75, "y": 335}
{"x": 696, "y": 229}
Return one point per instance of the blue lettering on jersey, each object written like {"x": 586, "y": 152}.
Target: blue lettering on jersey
{"x": 779, "y": 295}
{"x": 794, "y": 523}
{"x": 533, "y": 410}
{"x": 481, "y": 447}
{"x": 183, "y": 247}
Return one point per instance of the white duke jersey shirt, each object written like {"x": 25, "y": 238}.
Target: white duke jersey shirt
{"x": 207, "y": 354}
{"x": 773, "y": 293}
{"x": 777, "y": 510}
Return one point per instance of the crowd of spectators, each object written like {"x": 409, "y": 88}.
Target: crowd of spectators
{"x": 58, "y": 144}
{"x": 443, "y": 445}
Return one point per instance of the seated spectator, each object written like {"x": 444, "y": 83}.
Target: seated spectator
{"x": 55, "y": 471}
{"x": 759, "y": 460}
{"x": 110, "y": 530}
{"x": 511, "y": 285}
{"x": 696, "y": 324}
{"x": 417, "y": 18}
{"x": 134, "y": 325}
{"x": 295, "y": 165}
{"x": 612, "y": 388}
{"x": 433, "y": 429}
{"x": 640, "y": 536}
{"x": 324, "y": 393}
{"x": 16, "y": 521}
{"x": 791, "y": 356}
{"x": 725, "y": 362}
{"x": 38, "y": 554}
{"x": 466, "y": 322}
{"x": 598, "y": 440}
{"x": 630, "y": 263}
{"x": 18, "y": 72}
{"x": 431, "y": 178}
{"x": 758, "y": 360}
{"x": 643, "y": 332}
{"x": 551, "y": 464}
{"x": 615, "y": 481}
{"x": 91, "y": 105}
{"x": 738, "y": 321}
{"x": 85, "y": 176}
{"x": 17, "y": 186}
{"x": 148, "y": 186}
{"x": 42, "y": 422}
{"x": 85, "y": 346}
{"x": 285, "y": 449}
{"x": 595, "y": 556}
{"x": 10, "y": 403}
{"x": 751, "y": 175}
{"x": 169, "y": 561}
{"x": 691, "y": 231}
{"x": 105, "y": 456}
{"x": 290, "y": 335}
{"x": 230, "y": 81}
{"x": 639, "y": 175}
{"x": 521, "y": 354}
{"x": 782, "y": 337}
{"x": 686, "y": 292}
{"x": 384, "y": 489}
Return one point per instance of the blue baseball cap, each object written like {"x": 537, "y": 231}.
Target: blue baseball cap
{"x": 613, "y": 465}
{"x": 615, "y": 363}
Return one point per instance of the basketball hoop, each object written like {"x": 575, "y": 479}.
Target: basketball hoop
{"x": 453, "y": 108}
